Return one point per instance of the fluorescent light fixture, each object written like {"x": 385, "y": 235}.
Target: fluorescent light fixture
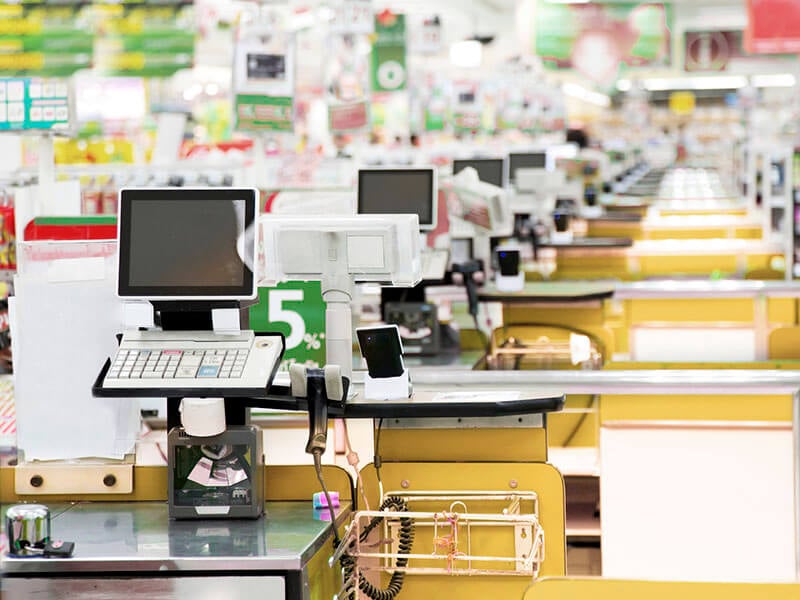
{"x": 774, "y": 80}
{"x": 467, "y": 54}
{"x": 624, "y": 85}
{"x": 721, "y": 82}
{"x": 581, "y": 93}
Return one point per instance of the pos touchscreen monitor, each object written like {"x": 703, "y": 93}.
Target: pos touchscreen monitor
{"x": 490, "y": 170}
{"x": 187, "y": 243}
{"x": 399, "y": 191}
{"x": 525, "y": 160}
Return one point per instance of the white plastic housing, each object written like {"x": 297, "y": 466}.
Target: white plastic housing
{"x": 377, "y": 248}
{"x": 477, "y": 206}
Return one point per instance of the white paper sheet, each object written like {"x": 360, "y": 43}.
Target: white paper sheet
{"x": 63, "y": 333}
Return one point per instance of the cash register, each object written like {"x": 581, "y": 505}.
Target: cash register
{"x": 187, "y": 275}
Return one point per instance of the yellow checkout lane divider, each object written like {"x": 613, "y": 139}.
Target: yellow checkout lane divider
{"x": 660, "y": 258}
{"x": 678, "y": 228}
{"x": 614, "y": 589}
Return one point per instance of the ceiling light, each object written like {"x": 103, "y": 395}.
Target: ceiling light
{"x": 581, "y": 93}
{"x": 774, "y": 80}
{"x": 724, "y": 82}
{"x": 467, "y": 54}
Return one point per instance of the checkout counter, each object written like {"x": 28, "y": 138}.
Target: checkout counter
{"x": 477, "y": 446}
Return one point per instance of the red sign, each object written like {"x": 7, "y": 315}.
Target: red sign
{"x": 348, "y": 117}
{"x": 773, "y": 26}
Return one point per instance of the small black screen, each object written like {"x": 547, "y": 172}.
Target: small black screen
{"x": 397, "y": 191}
{"x": 489, "y": 170}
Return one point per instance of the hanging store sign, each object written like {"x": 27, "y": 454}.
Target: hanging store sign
{"x": 34, "y": 104}
{"x": 295, "y": 309}
{"x": 425, "y": 35}
{"x": 773, "y": 26}
{"x": 352, "y": 17}
{"x": 346, "y": 83}
{"x": 682, "y": 103}
{"x": 344, "y": 118}
{"x": 389, "y": 53}
{"x": 723, "y": 51}
{"x": 264, "y": 76}
{"x": 144, "y": 39}
{"x": 467, "y": 106}
{"x": 599, "y": 40}
{"x": 45, "y": 39}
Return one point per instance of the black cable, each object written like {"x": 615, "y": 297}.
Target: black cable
{"x": 376, "y": 459}
{"x": 582, "y": 419}
{"x": 317, "y": 454}
{"x": 487, "y": 345}
{"x": 404, "y": 544}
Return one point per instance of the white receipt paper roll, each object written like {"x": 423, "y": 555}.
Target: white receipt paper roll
{"x": 203, "y": 417}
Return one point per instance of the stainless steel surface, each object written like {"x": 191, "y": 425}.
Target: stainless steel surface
{"x": 542, "y": 383}
{"x": 706, "y": 289}
{"x": 145, "y": 588}
{"x": 138, "y": 537}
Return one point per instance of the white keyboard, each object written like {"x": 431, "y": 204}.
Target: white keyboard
{"x": 434, "y": 263}
{"x": 193, "y": 359}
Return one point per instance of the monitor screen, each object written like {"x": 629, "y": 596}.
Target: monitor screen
{"x": 399, "y": 191}
{"x": 490, "y": 170}
{"x": 186, "y": 243}
{"x": 532, "y": 160}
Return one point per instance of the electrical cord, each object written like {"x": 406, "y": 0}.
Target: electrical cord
{"x": 404, "y": 544}
{"x": 581, "y": 421}
{"x": 377, "y": 457}
{"x": 317, "y": 454}
{"x": 487, "y": 346}
{"x": 353, "y": 461}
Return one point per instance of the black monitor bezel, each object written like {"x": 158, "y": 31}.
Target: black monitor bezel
{"x": 246, "y": 291}
{"x": 512, "y": 171}
{"x": 416, "y": 170}
{"x": 484, "y": 160}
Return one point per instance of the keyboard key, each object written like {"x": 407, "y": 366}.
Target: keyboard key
{"x": 236, "y": 373}
{"x": 208, "y": 371}
{"x": 136, "y": 373}
{"x": 184, "y": 372}
{"x": 191, "y": 360}
{"x": 169, "y": 373}
{"x": 151, "y": 375}
{"x": 172, "y": 353}
{"x": 212, "y": 360}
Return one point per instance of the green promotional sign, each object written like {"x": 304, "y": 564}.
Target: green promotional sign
{"x": 296, "y": 310}
{"x": 434, "y": 121}
{"x": 32, "y": 103}
{"x": 599, "y": 40}
{"x": 52, "y": 39}
{"x": 388, "y": 72}
{"x": 144, "y": 39}
{"x": 258, "y": 112}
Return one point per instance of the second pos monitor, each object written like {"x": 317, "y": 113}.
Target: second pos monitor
{"x": 399, "y": 191}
